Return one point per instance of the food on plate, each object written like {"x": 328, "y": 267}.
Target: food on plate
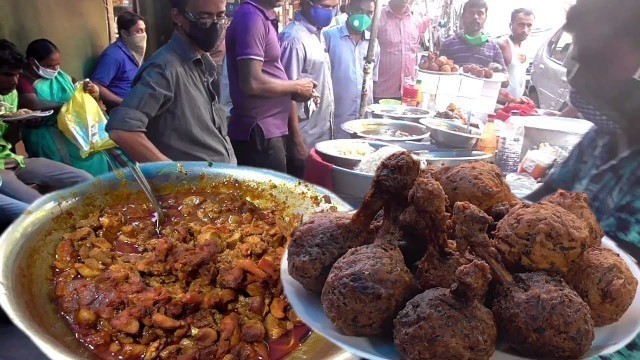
{"x": 452, "y": 259}
{"x": 434, "y": 62}
{"x": 370, "y": 163}
{"x": 323, "y": 239}
{"x": 369, "y": 285}
{"x": 318, "y": 243}
{"x": 479, "y": 183}
{"x": 450, "y": 323}
{"x": 404, "y": 111}
{"x": 440, "y": 258}
{"x": 452, "y": 113}
{"x": 578, "y": 205}
{"x": 354, "y": 150}
{"x": 605, "y": 283}
{"x": 20, "y": 112}
{"x": 208, "y": 286}
{"x": 387, "y": 132}
{"x": 537, "y": 314}
{"x": 478, "y": 71}
{"x": 541, "y": 236}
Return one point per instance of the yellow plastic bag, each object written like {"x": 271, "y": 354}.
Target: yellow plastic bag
{"x": 81, "y": 120}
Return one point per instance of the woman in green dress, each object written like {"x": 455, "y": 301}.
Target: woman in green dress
{"x": 44, "y": 86}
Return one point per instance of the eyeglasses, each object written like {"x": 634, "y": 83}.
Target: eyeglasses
{"x": 206, "y": 22}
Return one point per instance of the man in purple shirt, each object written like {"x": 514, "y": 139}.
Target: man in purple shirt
{"x": 260, "y": 91}
{"x": 472, "y": 46}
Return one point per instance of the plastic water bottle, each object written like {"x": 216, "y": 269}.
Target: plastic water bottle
{"x": 488, "y": 142}
{"x": 510, "y": 145}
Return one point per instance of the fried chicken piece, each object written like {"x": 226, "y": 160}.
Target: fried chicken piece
{"x": 448, "y": 323}
{"x": 578, "y": 205}
{"x": 540, "y": 237}
{"x": 323, "y": 239}
{"x": 394, "y": 178}
{"x": 369, "y": 285}
{"x": 479, "y": 183}
{"x": 540, "y": 316}
{"x": 428, "y": 212}
{"x": 605, "y": 283}
{"x": 318, "y": 243}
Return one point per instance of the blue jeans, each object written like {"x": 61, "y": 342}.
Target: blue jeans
{"x": 10, "y": 209}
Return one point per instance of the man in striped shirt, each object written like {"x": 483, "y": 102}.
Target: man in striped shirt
{"x": 399, "y": 36}
{"x": 472, "y": 46}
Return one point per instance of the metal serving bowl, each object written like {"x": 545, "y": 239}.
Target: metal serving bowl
{"x": 27, "y": 248}
{"x": 385, "y": 130}
{"x": 451, "y": 157}
{"x": 329, "y": 151}
{"x": 451, "y": 135}
{"x": 397, "y": 112}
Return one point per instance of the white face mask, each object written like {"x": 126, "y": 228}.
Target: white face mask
{"x": 44, "y": 72}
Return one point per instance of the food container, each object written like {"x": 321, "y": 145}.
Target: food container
{"x": 397, "y": 112}
{"x": 451, "y": 157}
{"x": 448, "y": 134}
{"x": 27, "y": 248}
{"x": 390, "y": 131}
{"x": 330, "y": 151}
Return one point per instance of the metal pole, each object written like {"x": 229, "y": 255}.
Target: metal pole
{"x": 370, "y": 59}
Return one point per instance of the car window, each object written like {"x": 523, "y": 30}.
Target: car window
{"x": 560, "y": 46}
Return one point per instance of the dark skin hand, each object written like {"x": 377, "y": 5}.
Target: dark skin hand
{"x": 110, "y": 99}
{"x": 255, "y": 83}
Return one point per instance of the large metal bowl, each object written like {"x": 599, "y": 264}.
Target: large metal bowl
{"x": 385, "y": 130}
{"x": 451, "y": 157}
{"x": 450, "y": 135}
{"x": 329, "y": 151}
{"x": 397, "y": 112}
{"x": 27, "y": 248}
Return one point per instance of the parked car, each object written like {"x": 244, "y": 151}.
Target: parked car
{"x": 549, "y": 87}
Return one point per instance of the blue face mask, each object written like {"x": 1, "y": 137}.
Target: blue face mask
{"x": 321, "y": 17}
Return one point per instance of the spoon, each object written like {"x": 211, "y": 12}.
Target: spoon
{"x": 137, "y": 173}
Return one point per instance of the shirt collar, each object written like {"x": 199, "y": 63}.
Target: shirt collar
{"x": 305, "y": 23}
{"x": 182, "y": 47}
{"x": 269, "y": 14}
{"x": 345, "y": 32}
{"x": 387, "y": 9}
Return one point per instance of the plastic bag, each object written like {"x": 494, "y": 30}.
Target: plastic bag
{"x": 81, "y": 120}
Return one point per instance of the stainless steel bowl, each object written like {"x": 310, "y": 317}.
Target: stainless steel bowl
{"x": 329, "y": 151}
{"x": 451, "y": 135}
{"x": 385, "y": 130}
{"x": 397, "y": 112}
{"x": 27, "y": 248}
{"x": 451, "y": 157}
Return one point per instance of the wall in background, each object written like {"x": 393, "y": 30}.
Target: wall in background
{"x": 77, "y": 27}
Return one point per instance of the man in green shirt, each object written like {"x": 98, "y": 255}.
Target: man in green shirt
{"x": 17, "y": 173}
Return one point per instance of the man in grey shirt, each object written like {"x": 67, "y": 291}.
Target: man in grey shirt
{"x": 304, "y": 55}
{"x": 172, "y": 113}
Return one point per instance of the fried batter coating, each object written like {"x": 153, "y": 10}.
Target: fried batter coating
{"x": 540, "y": 237}
{"x": 479, "y": 183}
{"x": 578, "y": 205}
{"x": 318, "y": 243}
{"x": 605, "y": 283}
{"x": 369, "y": 285}
{"x": 542, "y": 317}
{"x": 394, "y": 178}
{"x": 448, "y": 323}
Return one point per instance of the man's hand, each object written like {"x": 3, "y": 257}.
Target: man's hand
{"x": 304, "y": 90}
{"x": 91, "y": 89}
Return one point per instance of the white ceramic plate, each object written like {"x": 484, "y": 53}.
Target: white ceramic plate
{"x": 32, "y": 115}
{"x": 308, "y": 307}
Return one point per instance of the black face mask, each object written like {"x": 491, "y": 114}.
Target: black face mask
{"x": 205, "y": 39}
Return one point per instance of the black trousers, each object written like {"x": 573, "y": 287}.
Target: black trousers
{"x": 260, "y": 152}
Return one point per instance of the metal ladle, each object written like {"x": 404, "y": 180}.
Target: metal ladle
{"x": 137, "y": 173}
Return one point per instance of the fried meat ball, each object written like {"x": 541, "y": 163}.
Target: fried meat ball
{"x": 542, "y": 317}
{"x": 318, "y": 243}
{"x": 366, "y": 288}
{"x": 479, "y": 183}
{"x": 578, "y": 205}
{"x": 605, "y": 283}
{"x": 540, "y": 237}
{"x": 447, "y": 324}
